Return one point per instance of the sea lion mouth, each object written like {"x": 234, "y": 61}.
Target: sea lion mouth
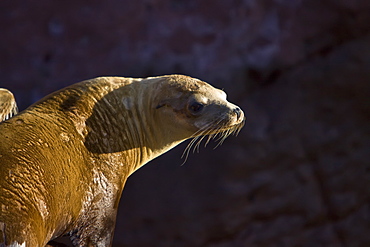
{"x": 217, "y": 130}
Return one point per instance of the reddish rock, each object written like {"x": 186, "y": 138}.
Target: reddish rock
{"x": 297, "y": 175}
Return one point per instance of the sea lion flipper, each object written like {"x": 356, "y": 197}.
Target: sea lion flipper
{"x": 8, "y": 105}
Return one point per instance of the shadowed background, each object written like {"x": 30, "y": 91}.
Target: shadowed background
{"x": 299, "y": 172}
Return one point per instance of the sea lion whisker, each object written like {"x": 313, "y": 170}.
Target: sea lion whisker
{"x": 188, "y": 147}
{"x": 186, "y": 151}
{"x": 201, "y": 137}
{"x": 190, "y": 144}
{"x": 208, "y": 139}
{"x": 230, "y": 132}
{"x": 213, "y": 135}
{"x": 216, "y": 123}
{"x": 219, "y": 136}
{"x": 236, "y": 131}
{"x": 198, "y": 143}
{"x": 238, "y": 128}
{"x": 201, "y": 133}
{"x": 223, "y": 137}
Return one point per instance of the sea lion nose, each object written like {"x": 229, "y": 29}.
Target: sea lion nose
{"x": 238, "y": 112}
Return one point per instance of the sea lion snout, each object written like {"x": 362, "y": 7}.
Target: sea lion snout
{"x": 233, "y": 114}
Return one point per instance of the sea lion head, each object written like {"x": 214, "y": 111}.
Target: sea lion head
{"x": 152, "y": 115}
{"x": 197, "y": 108}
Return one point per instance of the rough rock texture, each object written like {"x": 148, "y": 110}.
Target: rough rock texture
{"x": 299, "y": 172}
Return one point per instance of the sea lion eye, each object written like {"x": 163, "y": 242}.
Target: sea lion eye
{"x": 195, "y": 107}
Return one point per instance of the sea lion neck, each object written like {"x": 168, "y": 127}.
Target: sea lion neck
{"x": 120, "y": 123}
{"x": 142, "y": 136}
{"x": 113, "y": 116}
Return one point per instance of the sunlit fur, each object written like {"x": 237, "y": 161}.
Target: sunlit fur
{"x": 65, "y": 159}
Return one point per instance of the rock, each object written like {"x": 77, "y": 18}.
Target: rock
{"x": 297, "y": 175}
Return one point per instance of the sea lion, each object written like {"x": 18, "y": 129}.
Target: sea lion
{"x": 64, "y": 160}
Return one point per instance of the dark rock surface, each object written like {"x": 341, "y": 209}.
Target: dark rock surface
{"x": 299, "y": 172}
